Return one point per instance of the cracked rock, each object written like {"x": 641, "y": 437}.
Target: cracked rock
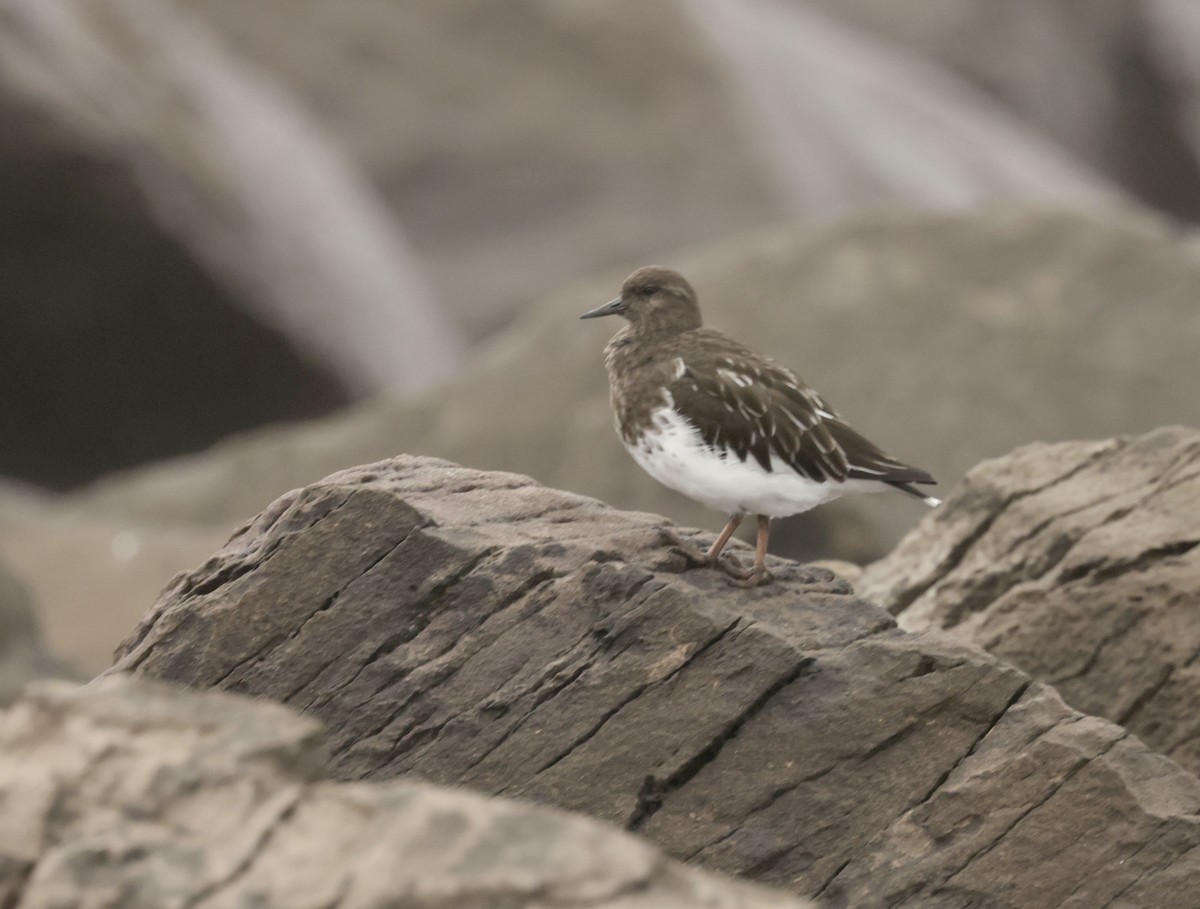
{"x": 133, "y": 794}
{"x": 476, "y": 629}
{"x": 1080, "y": 563}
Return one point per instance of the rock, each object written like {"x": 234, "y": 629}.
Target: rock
{"x": 522, "y": 146}
{"x": 1170, "y": 30}
{"x": 1080, "y": 563}
{"x": 102, "y": 319}
{"x": 940, "y": 308}
{"x": 23, "y": 655}
{"x": 150, "y": 224}
{"x": 848, "y": 571}
{"x": 914, "y": 327}
{"x": 204, "y": 137}
{"x": 92, "y": 576}
{"x": 852, "y": 125}
{"x": 133, "y": 794}
{"x": 560, "y": 139}
{"x": 1117, "y": 83}
{"x": 476, "y": 629}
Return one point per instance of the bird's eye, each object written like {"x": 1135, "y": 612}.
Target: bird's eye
{"x": 650, "y": 290}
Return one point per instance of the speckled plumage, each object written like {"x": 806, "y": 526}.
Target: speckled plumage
{"x": 723, "y": 424}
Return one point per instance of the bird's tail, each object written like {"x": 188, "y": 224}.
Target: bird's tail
{"x": 911, "y": 490}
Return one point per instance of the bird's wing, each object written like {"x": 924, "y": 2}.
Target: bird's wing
{"x": 753, "y": 407}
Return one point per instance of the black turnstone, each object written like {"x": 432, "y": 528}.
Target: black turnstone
{"x": 726, "y": 426}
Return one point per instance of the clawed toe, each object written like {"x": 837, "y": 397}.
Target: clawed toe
{"x": 726, "y": 562}
{"x": 732, "y": 567}
{"x": 755, "y": 577}
{"x": 694, "y": 557}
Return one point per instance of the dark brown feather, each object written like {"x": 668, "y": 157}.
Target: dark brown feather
{"x": 743, "y": 403}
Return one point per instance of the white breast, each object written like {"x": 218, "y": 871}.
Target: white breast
{"x": 674, "y": 453}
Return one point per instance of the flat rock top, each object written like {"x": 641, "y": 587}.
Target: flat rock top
{"x": 477, "y": 629}
{"x": 132, "y": 793}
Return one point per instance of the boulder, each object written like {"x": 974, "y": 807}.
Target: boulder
{"x": 23, "y": 654}
{"x": 1116, "y": 83}
{"x": 1080, "y": 563}
{"x": 134, "y": 794}
{"x": 162, "y": 200}
{"x": 945, "y": 339}
{"x": 948, "y": 340}
{"x": 92, "y": 576}
{"x": 853, "y": 125}
{"x": 231, "y": 167}
{"x": 476, "y": 629}
{"x": 104, "y": 316}
{"x": 526, "y": 145}
{"x": 332, "y": 157}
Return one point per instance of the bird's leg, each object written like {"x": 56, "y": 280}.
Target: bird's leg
{"x": 698, "y": 559}
{"x": 758, "y": 575}
{"x": 730, "y": 564}
{"x": 714, "y": 551}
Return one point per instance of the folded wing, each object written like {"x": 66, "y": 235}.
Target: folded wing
{"x": 755, "y": 408}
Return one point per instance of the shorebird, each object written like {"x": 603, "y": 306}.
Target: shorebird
{"x": 727, "y": 426}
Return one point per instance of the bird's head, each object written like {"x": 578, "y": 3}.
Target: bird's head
{"x": 655, "y": 301}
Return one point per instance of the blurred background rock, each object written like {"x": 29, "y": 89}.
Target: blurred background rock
{"x": 967, "y": 221}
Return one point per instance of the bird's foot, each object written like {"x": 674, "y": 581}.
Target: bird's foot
{"x": 755, "y": 577}
{"x": 692, "y": 555}
{"x": 695, "y": 557}
{"x": 732, "y": 567}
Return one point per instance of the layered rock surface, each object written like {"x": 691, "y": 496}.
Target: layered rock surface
{"x": 133, "y": 794}
{"x": 945, "y": 339}
{"x": 1080, "y": 563}
{"x": 477, "y": 629}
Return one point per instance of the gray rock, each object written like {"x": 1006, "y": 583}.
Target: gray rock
{"x": 946, "y": 340}
{"x": 102, "y": 318}
{"x": 1080, "y": 563}
{"x": 476, "y": 629}
{"x": 167, "y": 281}
{"x": 92, "y": 576}
{"x": 230, "y": 166}
{"x": 23, "y": 653}
{"x": 852, "y": 125}
{"x": 133, "y": 794}
{"x": 1117, "y": 83}
{"x": 654, "y": 125}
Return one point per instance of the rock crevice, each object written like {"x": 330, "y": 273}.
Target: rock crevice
{"x": 1091, "y": 583}
{"x": 491, "y": 633}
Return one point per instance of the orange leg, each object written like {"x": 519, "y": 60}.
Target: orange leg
{"x": 711, "y": 558}
{"x": 714, "y": 551}
{"x": 758, "y": 575}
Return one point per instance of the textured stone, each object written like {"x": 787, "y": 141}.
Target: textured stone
{"x": 1080, "y": 563}
{"x": 936, "y": 308}
{"x": 478, "y": 630}
{"x": 946, "y": 340}
{"x": 135, "y": 795}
